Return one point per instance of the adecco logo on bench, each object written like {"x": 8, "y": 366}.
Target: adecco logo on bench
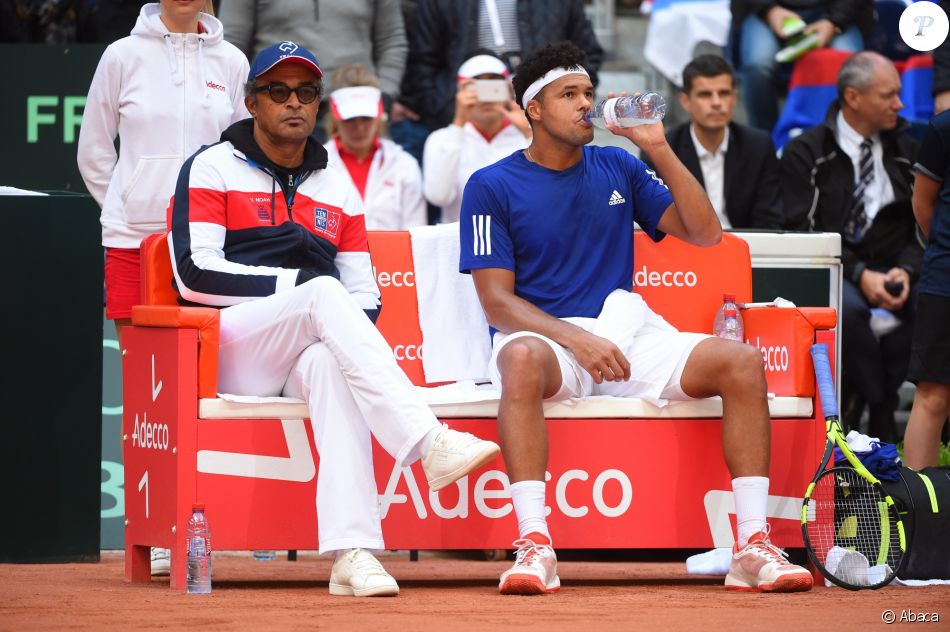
{"x": 394, "y": 279}
{"x": 774, "y": 358}
{"x": 645, "y": 277}
{"x": 492, "y": 486}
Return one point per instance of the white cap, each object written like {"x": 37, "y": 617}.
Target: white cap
{"x": 347, "y": 103}
{"x": 482, "y": 65}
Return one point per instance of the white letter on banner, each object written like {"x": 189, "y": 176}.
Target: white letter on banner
{"x": 460, "y": 510}
{"x": 481, "y": 494}
{"x": 389, "y": 497}
{"x": 626, "y": 493}
{"x": 560, "y": 494}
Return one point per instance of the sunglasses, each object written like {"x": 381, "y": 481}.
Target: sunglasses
{"x": 280, "y": 92}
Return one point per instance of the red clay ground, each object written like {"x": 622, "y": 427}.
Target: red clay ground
{"x": 440, "y": 592}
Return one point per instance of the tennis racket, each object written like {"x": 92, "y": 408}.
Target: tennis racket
{"x": 853, "y": 532}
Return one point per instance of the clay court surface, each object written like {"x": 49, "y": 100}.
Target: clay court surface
{"x": 440, "y": 592}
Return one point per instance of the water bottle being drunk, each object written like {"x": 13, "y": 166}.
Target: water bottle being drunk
{"x": 628, "y": 111}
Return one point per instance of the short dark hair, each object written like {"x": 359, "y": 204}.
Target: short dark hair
{"x": 550, "y": 56}
{"x": 706, "y": 66}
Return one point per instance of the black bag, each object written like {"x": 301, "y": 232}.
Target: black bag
{"x": 923, "y": 501}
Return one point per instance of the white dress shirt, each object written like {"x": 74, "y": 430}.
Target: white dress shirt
{"x": 880, "y": 192}
{"x": 713, "y": 166}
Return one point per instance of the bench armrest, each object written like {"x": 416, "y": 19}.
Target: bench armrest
{"x": 206, "y": 320}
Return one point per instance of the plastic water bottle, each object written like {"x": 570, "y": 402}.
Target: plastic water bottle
{"x": 628, "y": 111}
{"x": 265, "y": 555}
{"x": 198, "y": 579}
{"x": 728, "y": 322}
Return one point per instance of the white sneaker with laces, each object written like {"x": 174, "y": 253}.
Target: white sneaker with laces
{"x": 760, "y": 566}
{"x": 358, "y": 573}
{"x": 453, "y": 455}
{"x": 534, "y": 571}
{"x": 161, "y": 562}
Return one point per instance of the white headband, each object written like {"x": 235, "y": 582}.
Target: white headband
{"x": 552, "y": 75}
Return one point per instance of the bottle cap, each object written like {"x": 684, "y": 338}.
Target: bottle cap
{"x": 729, "y": 296}
{"x": 198, "y": 507}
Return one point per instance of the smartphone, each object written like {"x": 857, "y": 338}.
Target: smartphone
{"x": 492, "y": 90}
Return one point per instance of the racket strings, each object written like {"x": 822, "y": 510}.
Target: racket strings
{"x": 851, "y": 529}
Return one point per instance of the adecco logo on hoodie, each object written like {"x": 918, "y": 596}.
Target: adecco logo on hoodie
{"x": 216, "y": 86}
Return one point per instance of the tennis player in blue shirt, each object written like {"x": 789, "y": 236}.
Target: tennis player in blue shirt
{"x": 546, "y": 235}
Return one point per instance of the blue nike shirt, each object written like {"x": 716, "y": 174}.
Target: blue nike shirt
{"x": 567, "y": 235}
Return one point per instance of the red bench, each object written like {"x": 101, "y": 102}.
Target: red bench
{"x": 622, "y": 473}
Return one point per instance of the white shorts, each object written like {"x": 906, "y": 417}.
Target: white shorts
{"x": 657, "y": 353}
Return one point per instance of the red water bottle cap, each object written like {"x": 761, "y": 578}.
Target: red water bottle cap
{"x": 729, "y": 297}
{"x": 198, "y": 507}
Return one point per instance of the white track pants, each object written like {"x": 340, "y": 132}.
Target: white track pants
{"x": 314, "y": 342}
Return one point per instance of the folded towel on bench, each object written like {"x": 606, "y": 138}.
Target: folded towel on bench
{"x": 454, "y": 329}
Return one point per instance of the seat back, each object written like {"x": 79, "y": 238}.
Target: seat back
{"x": 684, "y": 284}
{"x": 156, "y": 272}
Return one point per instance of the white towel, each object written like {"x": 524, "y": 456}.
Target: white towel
{"x": 454, "y": 330}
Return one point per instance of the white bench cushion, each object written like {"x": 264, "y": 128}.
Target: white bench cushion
{"x": 589, "y": 408}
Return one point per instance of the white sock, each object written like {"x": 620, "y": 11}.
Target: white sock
{"x": 340, "y": 553}
{"x": 751, "y": 494}
{"x": 528, "y": 499}
{"x": 422, "y": 448}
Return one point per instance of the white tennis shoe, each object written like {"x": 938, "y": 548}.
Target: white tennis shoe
{"x": 760, "y": 566}
{"x": 453, "y": 455}
{"x": 357, "y": 573}
{"x": 534, "y": 571}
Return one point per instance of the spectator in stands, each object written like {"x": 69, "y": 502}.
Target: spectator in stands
{"x": 446, "y": 31}
{"x": 757, "y": 36}
{"x": 853, "y": 175}
{"x": 480, "y": 134}
{"x": 387, "y": 178}
{"x": 51, "y": 21}
{"x": 368, "y": 32}
{"x": 170, "y": 87}
{"x": 736, "y": 164}
{"x": 263, "y": 228}
{"x": 930, "y": 351}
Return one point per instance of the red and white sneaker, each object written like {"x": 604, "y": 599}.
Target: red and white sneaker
{"x": 760, "y": 566}
{"x": 535, "y": 569}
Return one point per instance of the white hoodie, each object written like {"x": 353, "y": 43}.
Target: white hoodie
{"x": 165, "y": 95}
{"x": 393, "y": 198}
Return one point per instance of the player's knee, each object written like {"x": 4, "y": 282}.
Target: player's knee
{"x": 746, "y": 369}
{"x": 521, "y": 364}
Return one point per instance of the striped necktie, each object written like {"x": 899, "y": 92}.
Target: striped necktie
{"x": 856, "y": 223}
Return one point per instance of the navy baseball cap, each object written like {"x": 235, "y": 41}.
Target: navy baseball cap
{"x": 288, "y": 52}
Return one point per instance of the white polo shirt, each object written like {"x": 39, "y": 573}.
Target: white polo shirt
{"x": 713, "y": 166}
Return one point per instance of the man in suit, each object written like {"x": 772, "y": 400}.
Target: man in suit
{"x": 853, "y": 174}
{"x": 736, "y": 164}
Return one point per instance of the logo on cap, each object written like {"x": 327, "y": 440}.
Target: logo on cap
{"x": 287, "y": 47}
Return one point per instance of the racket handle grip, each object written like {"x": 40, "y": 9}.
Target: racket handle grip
{"x": 824, "y": 381}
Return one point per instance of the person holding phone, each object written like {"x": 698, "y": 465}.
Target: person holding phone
{"x": 488, "y": 126}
